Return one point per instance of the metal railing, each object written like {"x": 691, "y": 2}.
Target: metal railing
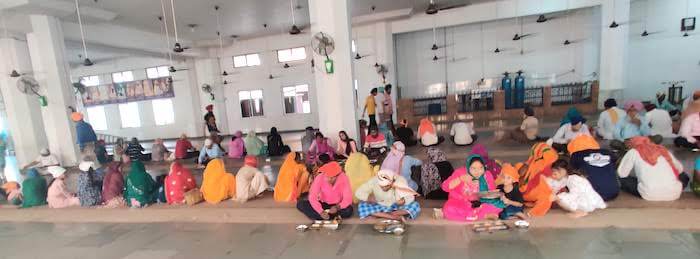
{"x": 534, "y": 97}
{"x": 430, "y": 106}
{"x": 109, "y": 139}
{"x": 476, "y": 100}
{"x": 573, "y": 93}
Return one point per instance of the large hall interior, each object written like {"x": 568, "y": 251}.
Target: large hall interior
{"x": 249, "y": 90}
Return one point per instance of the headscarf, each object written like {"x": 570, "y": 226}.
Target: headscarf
{"x": 251, "y": 161}
{"x": 358, "y": 169}
{"x": 177, "y": 183}
{"x": 307, "y": 139}
{"x": 217, "y": 184}
{"x": 483, "y": 181}
{"x": 651, "y": 152}
{"x": 572, "y": 112}
{"x": 236, "y": 146}
{"x": 508, "y": 170}
{"x": 430, "y": 173}
{"x": 76, "y": 116}
{"x": 113, "y": 185}
{"x": 388, "y": 178}
{"x": 34, "y": 189}
{"x": 491, "y": 165}
{"x": 10, "y": 186}
{"x": 541, "y": 158}
{"x": 582, "y": 142}
{"x": 273, "y": 131}
{"x": 291, "y": 177}
{"x": 209, "y": 107}
{"x": 634, "y": 105}
{"x": 140, "y": 186}
{"x": 331, "y": 169}
{"x": 426, "y": 126}
{"x": 395, "y": 157}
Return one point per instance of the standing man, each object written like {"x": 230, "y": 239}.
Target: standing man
{"x": 389, "y": 109}
{"x": 371, "y": 108}
{"x": 86, "y": 137}
{"x": 210, "y": 120}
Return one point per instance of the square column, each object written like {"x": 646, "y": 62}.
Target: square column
{"x": 47, "y": 51}
{"x": 24, "y": 120}
{"x": 335, "y": 92}
{"x": 614, "y": 46}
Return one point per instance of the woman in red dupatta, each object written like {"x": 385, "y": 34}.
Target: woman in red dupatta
{"x": 177, "y": 183}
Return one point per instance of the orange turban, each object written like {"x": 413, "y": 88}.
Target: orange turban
{"x": 508, "y": 170}
{"x": 76, "y": 116}
{"x": 10, "y": 186}
{"x": 331, "y": 169}
{"x": 582, "y": 142}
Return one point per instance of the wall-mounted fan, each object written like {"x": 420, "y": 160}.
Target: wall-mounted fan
{"x": 29, "y": 85}
{"x": 323, "y": 44}
{"x": 208, "y": 89}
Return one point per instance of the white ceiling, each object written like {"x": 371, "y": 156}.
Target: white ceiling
{"x": 238, "y": 17}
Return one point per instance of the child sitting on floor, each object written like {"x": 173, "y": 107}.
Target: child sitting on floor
{"x": 581, "y": 198}
{"x": 512, "y": 197}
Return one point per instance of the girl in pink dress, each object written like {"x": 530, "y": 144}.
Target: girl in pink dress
{"x": 463, "y": 202}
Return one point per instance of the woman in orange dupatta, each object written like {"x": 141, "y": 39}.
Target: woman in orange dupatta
{"x": 535, "y": 189}
{"x": 292, "y": 180}
{"x": 217, "y": 185}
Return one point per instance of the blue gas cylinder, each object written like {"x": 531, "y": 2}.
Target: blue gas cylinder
{"x": 506, "y": 86}
{"x": 520, "y": 90}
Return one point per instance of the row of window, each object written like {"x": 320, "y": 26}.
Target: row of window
{"x": 283, "y": 55}
{"x": 127, "y": 76}
{"x": 163, "y": 114}
{"x": 296, "y": 100}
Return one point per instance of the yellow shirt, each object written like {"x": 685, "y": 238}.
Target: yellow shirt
{"x": 371, "y": 105}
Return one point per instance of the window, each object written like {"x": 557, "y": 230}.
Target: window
{"x": 157, "y": 72}
{"x": 90, "y": 80}
{"x": 246, "y": 60}
{"x": 251, "y": 103}
{"x": 163, "y": 112}
{"x": 296, "y": 99}
{"x": 97, "y": 118}
{"x": 129, "y": 113}
{"x": 286, "y": 55}
{"x": 121, "y": 77}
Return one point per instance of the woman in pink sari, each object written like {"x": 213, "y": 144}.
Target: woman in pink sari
{"x": 491, "y": 165}
{"x": 463, "y": 188}
{"x": 177, "y": 183}
{"x": 236, "y": 148}
{"x": 318, "y": 147}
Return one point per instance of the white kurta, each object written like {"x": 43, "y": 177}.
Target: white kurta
{"x": 462, "y": 132}
{"x": 605, "y": 124}
{"x": 656, "y": 182}
{"x": 581, "y": 195}
{"x": 660, "y": 123}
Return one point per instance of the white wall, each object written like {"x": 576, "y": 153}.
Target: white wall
{"x": 545, "y": 60}
{"x": 256, "y": 78}
{"x": 187, "y": 110}
{"x": 664, "y": 55}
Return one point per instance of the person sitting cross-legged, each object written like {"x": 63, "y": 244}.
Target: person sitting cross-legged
{"x": 567, "y": 132}
{"x": 330, "y": 195}
{"x": 387, "y": 196}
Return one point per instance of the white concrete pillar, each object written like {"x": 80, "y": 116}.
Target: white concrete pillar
{"x": 614, "y": 45}
{"x": 24, "y": 119}
{"x": 336, "y": 98}
{"x": 47, "y": 51}
{"x": 209, "y": 72}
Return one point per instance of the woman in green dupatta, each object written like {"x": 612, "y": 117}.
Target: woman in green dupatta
{"x": 140, "y": 187}
{"x": 34, "y": 189}
{"x": 253, "y": 145}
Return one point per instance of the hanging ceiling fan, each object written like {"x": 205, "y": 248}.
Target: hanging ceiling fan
{"x": 178, "y": 47}
{"x": 295, "y": 29}
{"x": 87, "y": 62}
{"x": 434, "y": 8}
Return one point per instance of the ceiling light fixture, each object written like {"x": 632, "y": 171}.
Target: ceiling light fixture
{"x": 87, "y": 61}
{"x": 294, "y": 30}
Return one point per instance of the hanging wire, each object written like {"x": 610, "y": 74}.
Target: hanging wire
{"x": 167, "y": 33}
{"x": 291, "y": 8}
{"x": 82, "y": 32}
{"x": 483, "y": 66}
{"x": 172, "y": 7}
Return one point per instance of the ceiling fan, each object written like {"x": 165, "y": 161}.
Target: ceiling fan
{"x": 87, "y": 62}
{"x": 434, "y": 8}
{"x": 295, "y": 29}
{"x": 178, "y": 47}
